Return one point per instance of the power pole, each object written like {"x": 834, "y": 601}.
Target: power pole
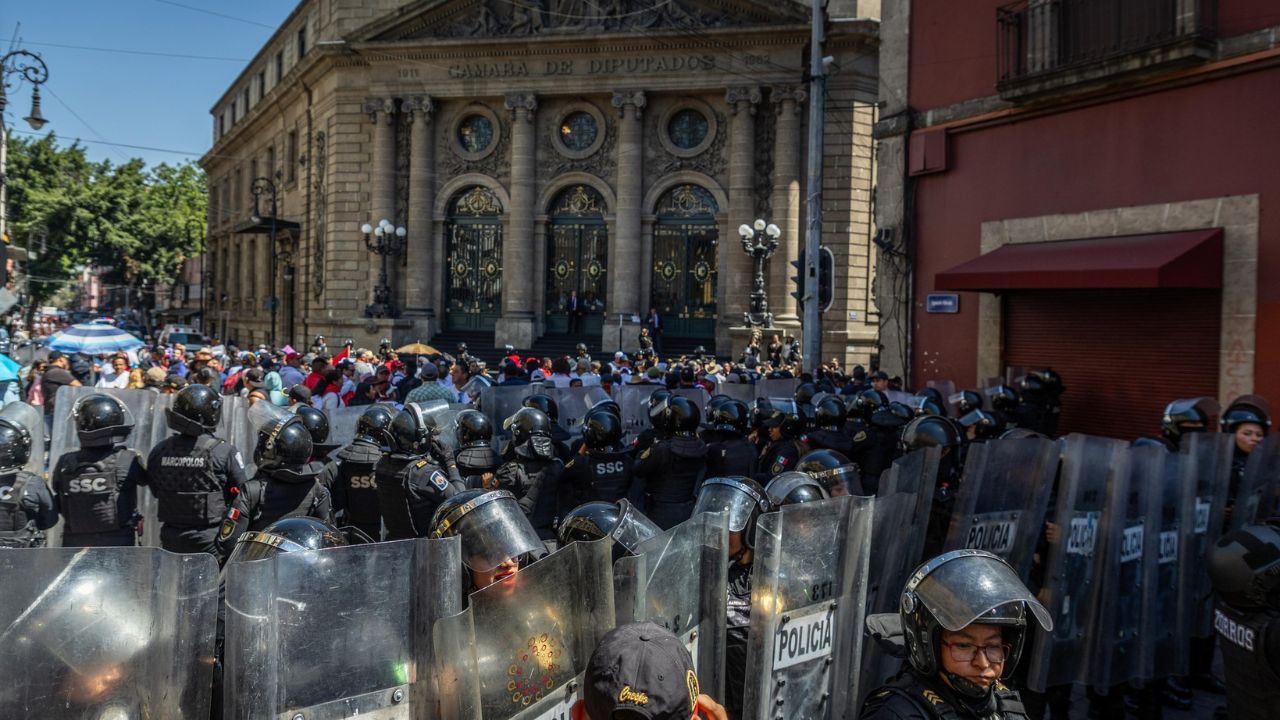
{"x": 812, "y": 321}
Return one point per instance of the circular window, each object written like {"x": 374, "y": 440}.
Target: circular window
{"x": 687, "y": 129}
{"x": 578, "y": 130}
{"x": 475, "y": 133}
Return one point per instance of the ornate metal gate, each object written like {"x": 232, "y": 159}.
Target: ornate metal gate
{"x": 473, "y": 277}
{"x": 577, "y": 259}
{"x": 684, "y": 262}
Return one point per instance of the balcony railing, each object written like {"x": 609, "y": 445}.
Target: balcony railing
{"x": 1037, "y": 37}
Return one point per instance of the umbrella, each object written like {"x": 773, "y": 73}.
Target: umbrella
{"x": 93, "y": 339}
{"x": 418, "y": 349}
{"x": 8, "y": 369}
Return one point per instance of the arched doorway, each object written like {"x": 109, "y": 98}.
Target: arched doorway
{"x": 577, "y": 259}
{"x": 684, "y": 262}
{"x": 473, "y": 276}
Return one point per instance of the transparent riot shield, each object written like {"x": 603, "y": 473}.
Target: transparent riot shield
{"x": 744, "y": 392}
{"x": 29, "y": 417}
{"x": 499, "y": 402}
{"x": 1003, "y": 497}
{"x": 898, "y": 396}
{"x": 902, "y": 508}
{"x": 1165, "y": 594}
{"x": 1258, "y": 496}
{"x": 633, "y": 400}
{"x": 678, "y": 580}
{"x": 777, "y": 388}
{"x": 1060, "y": 657}
{"x": 697, "y": 396}
{"x": 106, "y": 633}
{"x": 342, "y": 423}
{"x": 240, "y": 421}
{"x": 1120, "y": 556}
{"x": 808, "y": 605}
{"x": 339, "y": 632}
{"x": 520, "y": 649}
{"x": 442, "y": 418}
{"x": 1206, "y": 468}
{"x": 140, "y": 404}
{"x": 572, "y": 405}
{"x": 946, "y": 387}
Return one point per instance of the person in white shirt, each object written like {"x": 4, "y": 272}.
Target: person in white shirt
{"x": 560, "y": 376}
{"x": 586, "y": 374}
{"x": 117, "y": 376}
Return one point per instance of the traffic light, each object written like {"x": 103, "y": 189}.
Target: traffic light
{"x": 826, "y": 278}
{"x": 798, "y": 281}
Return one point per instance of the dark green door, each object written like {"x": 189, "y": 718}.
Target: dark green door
{"x": 473, "y": 276}
{"x": 685, "y": 261}
{"x": 577, "y": 259}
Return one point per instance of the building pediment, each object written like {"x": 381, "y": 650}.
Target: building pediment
{"x": 456, "y": 19}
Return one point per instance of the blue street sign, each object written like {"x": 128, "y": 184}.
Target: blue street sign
{"x": 942, "y": 303}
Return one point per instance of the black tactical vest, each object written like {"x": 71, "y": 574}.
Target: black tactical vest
{"x": 91, "y": 498}
{"x": 17, "y": 525}
{"x": 731, "y": 457}
{"x": 1253, "y": 687}
{"x": 189, "y": 491}
{"x": 409, "y": 491}
{"x": 360, "y": 482}
{"x": 272, "y": 498}
{"x": 907, "y": 692}
{"x": 610, "y": 475}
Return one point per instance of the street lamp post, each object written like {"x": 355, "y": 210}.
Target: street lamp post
{"x": 759, "y": 240}
{"x": 260, "y": 186}
{"x": 32, "y": 69}
{"x": 385, "y": 240}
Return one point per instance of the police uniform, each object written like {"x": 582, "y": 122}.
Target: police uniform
{"x": 26, "y": 509}
{"x": 731, "y": 456}
{"x": 874, "y": 449}
{"x": 95, "y": 491}
{"x": 912, "y": 697}
{"x": 535, "y": 481}
{"x": 606, "y": 475}
{"x": 780, "y": 456}
{"x": 410, "y": 488}
{"x": 1250, "y": 643}
{"x": 671, "y": 470}
{"x": 823, "y": 439}
{"x": 287, "y": 492}
{"x": 737, "y": 629}
{"x": 195, "y": 480}
{"x": 352, "y": 483}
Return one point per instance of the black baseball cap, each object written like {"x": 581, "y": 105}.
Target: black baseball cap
{"x": 644, "y": 669}
{"x": 878, "y": 375}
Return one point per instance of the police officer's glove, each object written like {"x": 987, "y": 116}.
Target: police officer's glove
{"x": 138, "y": 522}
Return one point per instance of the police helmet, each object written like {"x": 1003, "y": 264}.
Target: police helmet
{"x": 473, "y": 429}
{"x": 526, "y": 423}
{"x": 932, "y": 393}
{"x": 1184, "y": 416}
{"x": 1246, "y": 409}
{"x": 316, "y": 422}
{"x": 1018, "y": 433}
{"x": 741, "y": 497}
{"x": 601, "y": 429}
{"x": 983, "y": 424}
{"x": 545, "y": 403}
{"x": 1003, "y": 397}
{"x": 409, "y": 431}
{"x": 837, "y": 474}
{"x": 804, "y": 393}
{"x": 15, "y": 446}
{"x": 1048, "y": 382}
{"x": 678, "y": 416}
{"x": 1244, "y": 566}
{"x": 967, "y": 401}
{"x": 597, "y": 398}
{"x": 761, "y": 409}
{"x": 730, "y": 416}
{"x": 292, "y": 534}
{"x": 716, "y": 401}
{"x": 283, "y": 443}
{"x": 892, "y": 416}
{"x": 958, "y": 589}
{"x": 793, "y": 487}
{"x": 101, "y": 420}
{"x": 868, "y": 402}
{"x": 195, "y": 411}
{"x": 375, "y": 424}
{"x": 929, "y": 431}
{"x": 491, "y": 524}
{"x": 787, "y": 421}
{"x": 829, "y": 413}
{"x": 925, "y": 405}
{"x": 621, "y": 521}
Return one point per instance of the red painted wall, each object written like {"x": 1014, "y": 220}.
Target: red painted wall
{"x": 1202, "y": 141}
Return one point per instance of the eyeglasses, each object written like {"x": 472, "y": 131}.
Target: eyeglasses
{"x": 966, "y": 652}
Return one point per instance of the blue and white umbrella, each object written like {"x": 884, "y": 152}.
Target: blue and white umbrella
{"x": 93, "y": 339}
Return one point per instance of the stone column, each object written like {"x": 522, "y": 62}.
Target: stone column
{"x": 788, "y": 103}
{"x": 422, "y": 273}
{"x": 627, "y": 244}
{"x": 382, "y": 175}
{"x": 736, "y": 271}
{"x": 520, "y": 277}
{"x": 248, "y": 290}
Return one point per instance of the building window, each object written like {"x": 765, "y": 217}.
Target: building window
{"x": 293, "y": 156}
{"x": 302, "y": 42}
{"x": 279, "y": 66}
{"x": 578, "y": 130}
{"x": 271, "y": 162}
{"x": 475, "y": 133}
{"x": 262, "y": 84}
{"x": 687, "y": 129}
{"x": 234, "y": 112}
{"x": 246, "y": 99}
{"x": 222, "y": 123}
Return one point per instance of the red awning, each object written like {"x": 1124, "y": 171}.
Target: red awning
{"x": 1164, "y": 260}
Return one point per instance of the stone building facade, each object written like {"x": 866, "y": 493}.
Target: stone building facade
{"x": 531, "y": 149}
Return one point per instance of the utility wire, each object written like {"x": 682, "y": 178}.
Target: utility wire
{"x": 216, "y": 14}
{"x": 138, "y": 52}
{"x": 84, "y": 122}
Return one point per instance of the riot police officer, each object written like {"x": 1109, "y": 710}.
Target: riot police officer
{"x": 95, "y": 487}
{"x": 1247, "y": 419}
{"x": 559, "y": 435}
{"x": 194, "y": 475}
{"x": 26, "y": 507}
{"x": 651, "y": 434}
{"x": 963, "y": 621}
{"x": 475, "y": 460}
{"x": 1245, "y": 570}
{"x": 786, "y": 444}
{"x": 794, "y": 487}
{"x": 729, "y": 452}
{"x": 804, "y": 395}
{"x": 317, "y": 424}
{"x": 603, "y": 468}
{"x": 287, "y": 484}
{"x": 497, "y": 539}
{"x": 1181, "y": 417}
{"x": 1041, "y": 404}
{"x": 411, "y": 485}
{"x": 621, "y": 521}
{"x": 876, "y": 446}
{"x": 672, "y": 468}
{"x": 531, "y": 471}
{"x": 833, "y": 471}
{"x": 828, "y": 422}
{"x": 939, "y": 432}
{"x": 350, "y": 475}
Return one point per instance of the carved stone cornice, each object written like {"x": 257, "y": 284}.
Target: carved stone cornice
{"x": 517, "y": 101}
{"x": 743, "y": 97}
{"x": 384, "y": 106}
{"x": 420, "y": 106}
{"x": 634, "y": 99}
{"x": 779, "y": 94}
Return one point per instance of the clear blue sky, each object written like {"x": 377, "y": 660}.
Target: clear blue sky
{"x": 143, "y": 100}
